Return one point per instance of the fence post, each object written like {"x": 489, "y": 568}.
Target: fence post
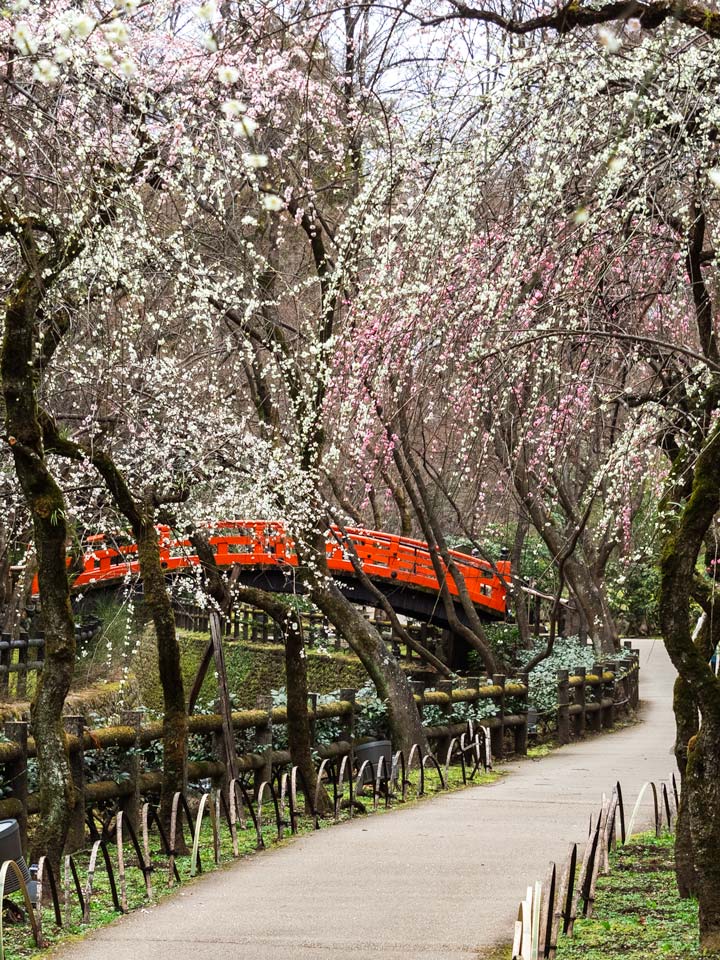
{"x": 580, "y": 717}
{"x": 627, "y": 665}
{"x": 497, "y": 733}
{"x": 5, "y": 657}
{"x": 16, "y": 772}
{"x": 636, "y": 677}
{"x": 75, "y": 726}
{"x": 608, "y": 690}
{"x": 520, "y": 733}
{"x": 597, "y": 695}
{"x": 263, "y": 738}
{"x": 21, "y": 682}
{"x": 418, "y": 689}
{"x": 563, "y": 721}
{"x": 441, "y": 747}
{"x": 130, "y": 805}
{"x": 348, "y": 721}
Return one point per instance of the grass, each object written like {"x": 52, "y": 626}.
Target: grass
{"x": 18, "y": 940}
{"x": 638, "y": 913}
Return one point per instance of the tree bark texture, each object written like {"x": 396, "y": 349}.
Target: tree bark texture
{"x": 384, "y": 670}
{"x": 46, "y": 505}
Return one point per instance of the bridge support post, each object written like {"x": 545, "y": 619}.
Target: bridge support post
{"x": 497, "y": 732}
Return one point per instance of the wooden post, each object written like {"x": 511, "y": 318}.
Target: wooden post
{"x": 473, "y": 683}
{"x": 216, "y": 635}
{"x": 16, "y": 772}
{"x": 520, "y": 733}
{"x": 580, "y": 718}
{"x": 636, "y": 677}
{"x": 608, "y": 692}
{"x": 263, "y": 739}
{"x": 131, "y": 804}
{"x": 441, "y": 747}
{"x": 597, "y": 695}
{"x": 348, "y": 721}
{"x": 75, "y": 726}
{"x": 627, "y": 665}
{"x": 5, "y": 656}
{"x": 563, "y": 721}
{"x": 21, "y": 682}
{"x": 497, "y": 733}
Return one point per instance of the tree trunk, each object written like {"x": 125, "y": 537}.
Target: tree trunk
{"x": 46, "y": 505}
{"x": 298, "y": 725}
{"x": 591, "y": 598}
{"x": 703, "y": 776}
{"x": 175, "y": 720}
{"x": 384, "y": 671}
{"x": 686, "y": 727}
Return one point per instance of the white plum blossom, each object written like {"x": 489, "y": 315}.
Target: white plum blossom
{"x": 228, "y": 75}
{"x": 255, "y": 160}
{"x": 233, "y": 108}
{"x": 45, "y": 71}
{"x": 116, "y": 32}
{"x": 24, "y": 39}
{"x": 82, "y": 24}
{"x": 207, "y": 11}
{"x": 272, "y": 202}
{"x": 246, "y": 126}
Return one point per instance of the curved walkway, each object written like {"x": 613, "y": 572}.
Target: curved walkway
{"x": 440, "y": 879}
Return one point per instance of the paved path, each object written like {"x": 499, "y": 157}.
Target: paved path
{"x": 436, "y": 880}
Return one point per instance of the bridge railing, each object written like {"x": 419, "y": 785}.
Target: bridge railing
{"x": 604, "y": 694}
{"x": 266, "y": 544}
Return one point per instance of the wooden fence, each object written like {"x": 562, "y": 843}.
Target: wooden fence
{"x": 22, "y": 653}
{"x": 250, "y": 625}
{"x": 507, "y": 727}
{"x": 552, "y": 907}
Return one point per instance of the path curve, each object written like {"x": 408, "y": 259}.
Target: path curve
{"x": 436, "y": 880}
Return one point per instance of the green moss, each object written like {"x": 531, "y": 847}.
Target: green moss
{"x": 638, "y": 913}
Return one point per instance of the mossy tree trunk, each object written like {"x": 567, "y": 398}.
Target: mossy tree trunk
{"x": 157, "y": 602}
{"x": 46, "y": 504}
{"x": 686, "y": 727}
{"x": 384, "y": 670}
{"x": 702, "y": 776}
{"x": 140, "y": 512}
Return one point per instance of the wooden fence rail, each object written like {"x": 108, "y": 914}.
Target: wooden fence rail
{"x": 601, "y": 694}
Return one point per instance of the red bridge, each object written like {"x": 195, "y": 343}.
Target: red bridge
{"x": 400, "y": 567}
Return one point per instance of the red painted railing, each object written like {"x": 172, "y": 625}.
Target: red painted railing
{"x": 259, "y": 544}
